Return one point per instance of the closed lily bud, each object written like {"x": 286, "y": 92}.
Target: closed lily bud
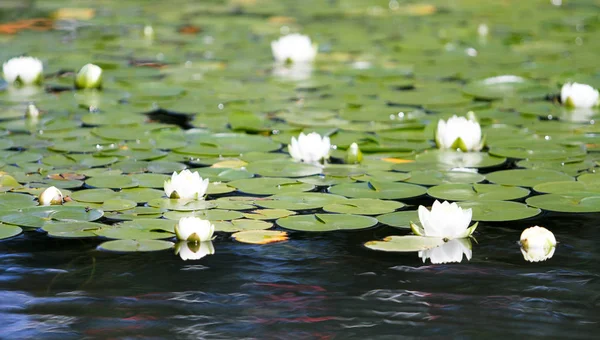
{"x": 89, "y": 77}
{"x": 194, "y": 250}
{"x": 537, "y": 244}
{"x": 576, "y": 95}
{"x": 194, "y": 229}
{"x": 51, "y": 196}
{"x": 23, "y": 71}
{"x": 353, "y": 154}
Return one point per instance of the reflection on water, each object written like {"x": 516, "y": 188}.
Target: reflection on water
{"x": 313, "y": 286}
{"x": 451, "y": 251}
{"x": 194, "y": 250}
{"x": 293, "y": 72}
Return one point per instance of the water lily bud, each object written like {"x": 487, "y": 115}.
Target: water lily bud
{"x": 537, "y": 244}
{"x": 194, "y": 250}
{"x": 353, "y": 154}
{"x": 194, "y": 229}
{"x": 309, "y": 148}
{"x": 148, "y": 32}
{"x": 576, "y": 95}
{"x": 89, "y": 77}
{"x": 32, "y": 111}
{"x": 51, "y": 196}
{"x": 294, "y": 48}
{"x": 186, "y": 185}
{"x": 23, "y": 71}
{"x": 459, "y": 133}
{"x": 446, "y": 220}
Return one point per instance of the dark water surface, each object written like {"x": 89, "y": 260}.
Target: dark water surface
{"x": 313, "y": 287}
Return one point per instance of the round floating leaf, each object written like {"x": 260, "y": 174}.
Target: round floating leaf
{"x": 8, "y": 231}
{"x": 227, "y": 145}
{"x": 405, "y": 243}
{"x": 223, "y": 175}
{"x": 150, "y": 180}
{"x": 140, "y": 195}
{"x": 499, "y": 87}
{"x": 131, "y": 233}
{"x": 299, "y": 201}
{"x": 241, "y": 224}
{"x": 117, "y": 204}
{"x": 491, "y": 211}
{"x": 380, "y": 190}
{"x": 260, "y": 236}
{"x": 94, "y": 195}
{"x": 268, "y": 214}
{"x": 527, "y": 177}
{"x": 71, "y": 213}
{"x": 72, "y": 229}
{"x": 128, "y": 246}
{"x": 270, "y": 186}
{"x": 283, "y": 168}
{"x": 235, "y": 203}
{"x": 218, "y": 188}
{"x": 569, "y": 203}
{"x": 113, "y": 182}
{"x": 433, "y": 177}
{"x": 16, "y": 201}
{"x": 213, "y": 214}
{"x": 326, "y": 222}
{"x": 451, "y": 159}
{"x": 135, "y": 213}
{"x": 181, "y": 204}
{"x": 363, "y": 206}
{"x": 566, "y": 187}
{"x": 383, "y": 176}
{"x": 325, "y": 180}
{"x": 400, "y": 219}
{"x": 476, "y": 192}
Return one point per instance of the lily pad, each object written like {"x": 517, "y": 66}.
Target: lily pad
{"x": 72, "y": 229}
{"x": 129, "y": 246}
{"x": 405, "y": 243}
{"x": 299, "y": 201}
{"x": 363, "y": 206}
{"x": 399, "y": 219}
{"x": 241, "y": 224}
{"x": 326, "y": 222}
{"x": 260, "y": 236}
{"x": 8, "y": 231}
{"x": 494, "y": 211}
{"x": 270, "y": 186}
{"x": 476, "y": 192}
{"x": 568, "y": 203}
{"x": 433, "y": 177}
{"x": 526, "y": 177}
{"x": 378, "y": 190}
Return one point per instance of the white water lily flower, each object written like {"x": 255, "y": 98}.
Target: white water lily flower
{"x": 23, "y": 70}
{"x": 309, "y": 148}
{"x": 578, "y": 95}
{"x": 295, "y": 48}
{"x": 89, "y": 77}
{"x": 451, "y": 251}
{"x": 537, "y": 244}
{"x": 186, "y": 185}
{"x": 194, "y": 250}
{"x": 459, "y": 133}
{"x": 32, "y": 111}
{"x": 51, "y": 196}
{"x": 194, "y": 229}
{"x": 446, "y": 220}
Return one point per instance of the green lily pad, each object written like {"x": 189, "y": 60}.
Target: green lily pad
{"x": 241, "y": 224}
{"x": 129, "y": 246}
{"x": 476, "y": 192}
{"x": 363, "y": 206}
{"x": 433, "y": 177}
{"x": 378, "y": 190}
{"x": 268, "y": 214}
{"x": 326, "y": 222}
{"x": 400, "y": 219}
{"x": 527, "y": 177}
{"x": 260, "y": 236}
{"x": 283, "y": 168}
{"x": 405, "y": 243}
{"x": 270, "y": 186}
{"x": 299, "y": 201}
{"x": 494, "y": 211}
{"x": 568, "y": 203}
{"x": 181, "y": 204}
{"x": 8, "y": 231}
{"x": 94, "y": 195}
{"x": 113, "y": 182}
{"x": 72, "y": 229}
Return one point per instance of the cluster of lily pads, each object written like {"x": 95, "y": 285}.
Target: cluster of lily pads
{"x": 142, "y": 152}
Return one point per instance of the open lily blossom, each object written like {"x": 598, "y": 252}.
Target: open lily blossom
{"x": 459, "y": 133}
{"x": 537, "y": 244}
{"x": 194, "y": 250}
{"x": 309, "y": 148}
{"x": 294, "y": 48}
{"x": 194, "y": 229}
{"x": 23, "y": 71}
{"x": 446, "y": 220}
{"x": 51, "y": 196}
{"x": 451, "y": 251}
{"x": 89, "y": 77}
{"x": 186, "y": 185}
{"x": 578, "y": 95}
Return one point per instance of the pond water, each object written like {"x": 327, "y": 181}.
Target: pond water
{"x": 193, "y": 84}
